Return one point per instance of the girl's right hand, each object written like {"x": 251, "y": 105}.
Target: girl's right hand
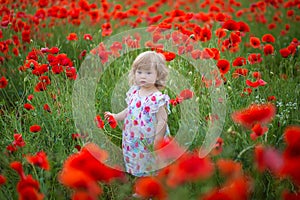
{"x": 107, "y": 114}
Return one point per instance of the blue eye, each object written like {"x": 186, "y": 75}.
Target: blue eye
{"x": 139, "y": 72}
{"x": 148, "y": 73}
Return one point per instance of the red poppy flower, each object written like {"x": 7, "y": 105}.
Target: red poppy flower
{"x": 17, "y": 166}
{"x": 150, "y": 187}
{"x": 240, "y": 72}
{"x": 30, "y": 97}
{"x": 189, "y": 167}
{"x": 284, "y": 52}
{"x": 220, "y": 33}
{"x": 220, "y": 17}
{"x": 53, "y": 50}
{"x": 271, "y": 26}
{"x": 268, "y": 158}
{"x": 28, "y": 106}
{"x": 239, "y": 61}
{"x": 256, "y": 75}
{"x": 87, "y": 37}
{"x": 205, "y": 34}
{"x": 167, "y": 148}
{"x": 72, "y": 37}
{"x": 99, "y": 121}
{"x": 271, "y": 98}
{"x": 41, "y": 69}
{"x": 268, "y": 38}
{"x": 246, "y": 91}
{"x": 26, "y": 36}
{"x": 292, "y": 48}
{"x": 218, "y": 148}
{"x": 46, "y": 107}
{"x": 223, "y": 65}
{"x": 2, "y": 179}
{"x": 268, "y": 49}
{"x": 243, "y": 27}
{"x": 40, "y": 160}
{"x": 255, "y": 42}
{"x": 229, "y": 168}
{"x": 196, "y": 54}
{"x": 254, "y": 58}
{"x": 112, "y": 122}
{"x": 292, "y": 139}
{"x": 18, "y": 140}
{"x": 258, "y": 130}
{"x": 82, "y": 54}
{"x": 45, "y": 79}
{"x": 216, "y": 53}
{"x": 3, "y": 82}
{"x": 106, "y": 29}
{"x": 35, "y": 128}
{"x": 40, "y": 86}
{"x": 290, "y": 195}
{"x": 71, "y": 73}
{"x": 84, "y": 177}
{"x": 231, "y": 25}
{"x": 169, "y": 55}
{"x": 255, "y": 113}
{"x": 255, "y": 84}
{"x": 176, "y": 101}
{"x": 186, "y": 94}
{"x": 290, "y": 13}
{"x": 57, "y": 69}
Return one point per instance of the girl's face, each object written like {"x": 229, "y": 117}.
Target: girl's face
{"x": 146, "y": 77}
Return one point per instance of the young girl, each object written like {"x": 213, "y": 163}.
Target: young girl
{"x": 145, "y": 118}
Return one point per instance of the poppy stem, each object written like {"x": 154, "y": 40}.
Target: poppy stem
{"x": 243, "y": 151}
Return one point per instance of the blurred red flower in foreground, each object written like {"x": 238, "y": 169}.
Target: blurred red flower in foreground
{"x": 150, "y": 187}
{"x": 268, "y": 158}
{"x": 237, "y": 188}
{"x": 82, "y": 171}
{"x": 3, "y": 82}
{"x": 2, "y": 179}
{"x": 229, "y": 168}
{"x": 99, "y": 121}
{"x": 27, "y": 187}
{"x": 189, "y": 167}
{"x": 255, "y": 113}
{"x": 40, "y": 160}
{"x": 291, "y": 154}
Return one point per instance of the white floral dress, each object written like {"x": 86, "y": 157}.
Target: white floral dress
{"x": 139, "y": 130}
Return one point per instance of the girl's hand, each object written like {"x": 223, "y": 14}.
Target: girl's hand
{"x": 107, "y": 114}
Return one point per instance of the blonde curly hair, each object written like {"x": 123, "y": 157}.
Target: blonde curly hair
{"x": 149, "y": 59}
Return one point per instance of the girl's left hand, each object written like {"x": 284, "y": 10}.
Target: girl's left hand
{"x": 107, "y": 114}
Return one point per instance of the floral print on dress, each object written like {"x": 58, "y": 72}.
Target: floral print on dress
{"x": 139, "y": 130}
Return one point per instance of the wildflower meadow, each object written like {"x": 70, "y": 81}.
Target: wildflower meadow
{"x": 234, "y": 84}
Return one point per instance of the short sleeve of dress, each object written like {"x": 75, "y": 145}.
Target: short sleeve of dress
{"x": 130, "y": 93}
{"x": 157, "y": 100}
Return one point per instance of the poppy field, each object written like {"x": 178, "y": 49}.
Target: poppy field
{"x": 252, "y": 47}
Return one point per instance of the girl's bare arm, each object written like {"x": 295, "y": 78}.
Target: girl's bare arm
{"x": 162, "y": 118}
{"x": 119, "y": 116}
